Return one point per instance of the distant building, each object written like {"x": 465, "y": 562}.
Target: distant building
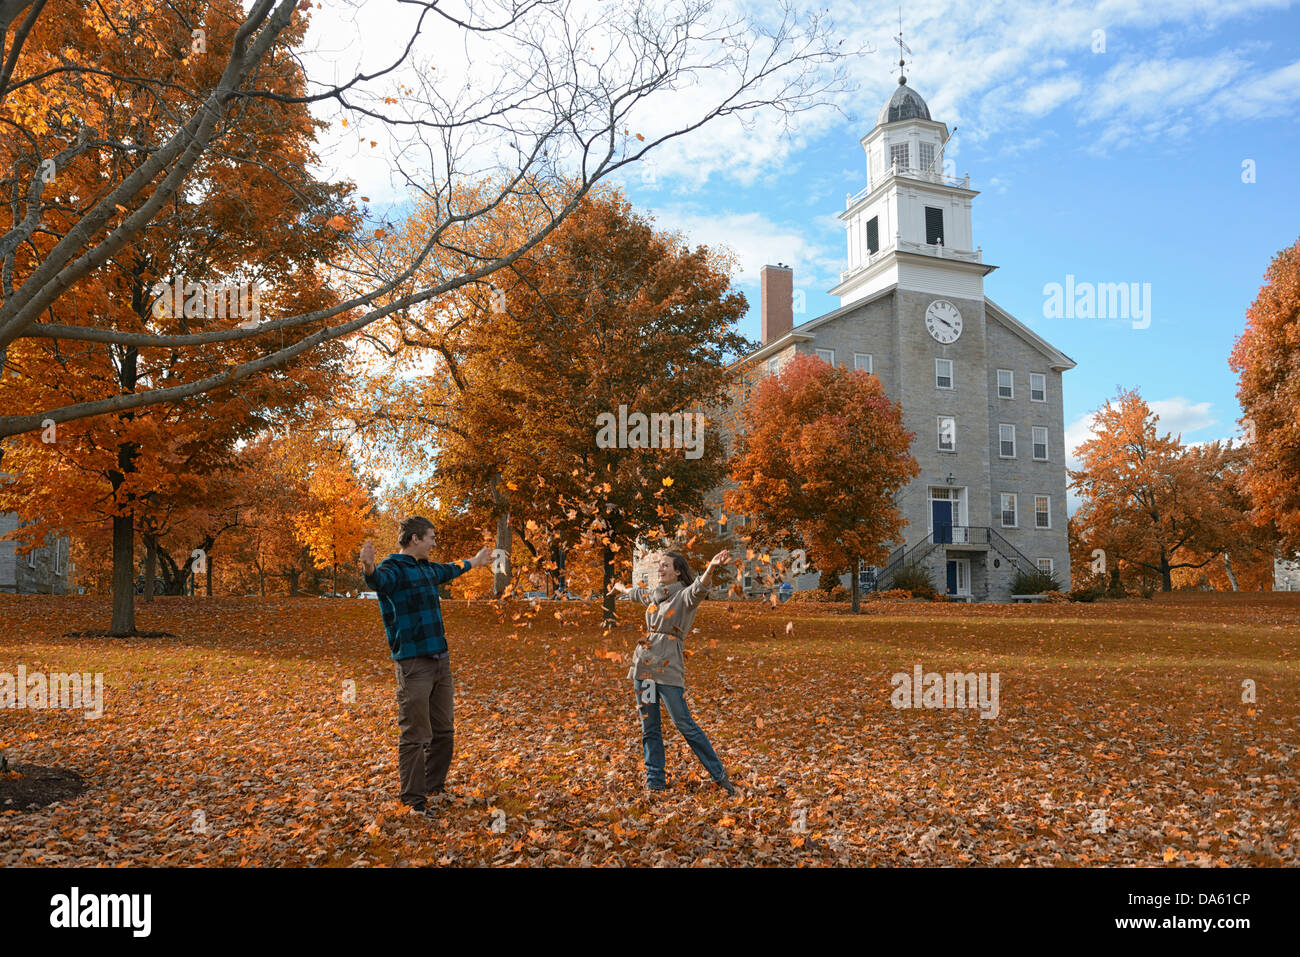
{"x": 46, "y": 570}
{"x": 1286, "y": 574}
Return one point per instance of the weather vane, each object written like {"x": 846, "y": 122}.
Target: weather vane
{"x": 902, "y": 47}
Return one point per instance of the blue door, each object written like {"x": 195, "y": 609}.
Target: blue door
{"x": 952, "y": 578}
{"x": 941, "y": 515}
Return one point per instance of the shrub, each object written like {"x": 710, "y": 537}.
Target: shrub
{"x": 839, "y": 593}
{"x": 915, "y": 579}
{"x": 892, "y": 594}
{"x": 1087, "y": 594}
{"x": 1034, "y": 582}
{"x": 1055, "y": 597}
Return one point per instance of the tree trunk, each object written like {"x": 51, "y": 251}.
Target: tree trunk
{"x": 1166, "y": 575}
{"x": 123, "y": 575}
{"x": 1227, "y": 567}
{"x": 1116, "y": 588}
{"x": 150, "y": 564}
{"x": 208, "y": 576}
{"x": 261, "y": 580}
{"x": 557, "y": 559}
{"x": 853, "y": 580}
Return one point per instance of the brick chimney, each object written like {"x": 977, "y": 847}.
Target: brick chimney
{"x": 777, "y": 307}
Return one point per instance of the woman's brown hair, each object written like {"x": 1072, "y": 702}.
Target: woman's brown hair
{"x": 682, "y": 567}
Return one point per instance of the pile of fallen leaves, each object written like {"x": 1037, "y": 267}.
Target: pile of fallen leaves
{"x": 264, "y": 733}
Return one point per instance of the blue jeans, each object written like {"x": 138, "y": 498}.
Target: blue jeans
{"x": 652, "y": 741}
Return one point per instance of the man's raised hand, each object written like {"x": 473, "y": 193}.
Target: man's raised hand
{"x": 482, "y": 558}
{"x": 368, "y": 557}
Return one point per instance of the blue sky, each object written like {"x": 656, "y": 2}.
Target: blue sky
{"x": 1117, "y": 166}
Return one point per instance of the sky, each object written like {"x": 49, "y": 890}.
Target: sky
{"x": 1114, "y": 142}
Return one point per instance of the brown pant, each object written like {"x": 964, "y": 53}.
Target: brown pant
{"x": 424, "y": 715}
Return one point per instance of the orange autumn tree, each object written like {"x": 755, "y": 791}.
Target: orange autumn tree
{"x": 241, "y": 244}
{"x": 1267, "y": 359}
{"x": 338, "y": 513}
{"x": 822, "y": 455}
{"x": 1146, "y": 499}
{"x": 506, "y": 424}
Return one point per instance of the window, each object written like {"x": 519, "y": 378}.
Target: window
{"x": 943, "y": 373}
{"x": 31, "y": 558}
{"x": 933, "y": 225}
{"x": 873, "y": 234}
{"x": 898, "y": 155}
{"x": 1040, "y": 443}
{"x": 927, "y": 156}
{"x": 1006, "y": 384}
{"x": 1008, "y": 510}
{"x": 826, "y": 355}
{"x": 866, "y": 575}
{"x": 1042, "y": 511}
{"x": 862, "y": 360}
{"x": 1037, "y": 387}
{"x": 1046, "y": 565}
{"x": 771, "y": 365}
{"x": 61, "y": 556}
{"x": 1006, "y": 441}
{"x": 947, "y": 433}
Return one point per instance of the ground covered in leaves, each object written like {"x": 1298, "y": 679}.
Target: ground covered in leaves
{"x": 1121, "y": 738}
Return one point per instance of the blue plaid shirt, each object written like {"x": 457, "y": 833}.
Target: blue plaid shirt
{"x": 408, "y": 598}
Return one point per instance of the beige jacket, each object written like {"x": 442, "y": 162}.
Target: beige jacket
{"x": 669, "y": 617}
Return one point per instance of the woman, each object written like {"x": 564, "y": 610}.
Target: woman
{"x": 658, "y": 666}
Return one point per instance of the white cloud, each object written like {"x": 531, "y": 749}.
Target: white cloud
{"x": 756, "y": 241}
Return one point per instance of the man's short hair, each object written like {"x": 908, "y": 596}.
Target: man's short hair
{"x": 413, "y": 527}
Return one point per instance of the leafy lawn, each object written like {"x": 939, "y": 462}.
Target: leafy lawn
{"x": 232, "y": 742}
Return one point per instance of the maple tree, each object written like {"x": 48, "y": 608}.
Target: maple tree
{"x": 609, "y": 314}
{"x": 1151, "y": 502}
{"x": 822, "y": 453}
{"x": 244, "y": 236}
{"x": 124, "y": 114}
{"x": 1267, "y": 358}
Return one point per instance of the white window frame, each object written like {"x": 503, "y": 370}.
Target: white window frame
{"x": 31, "y": 557}
{"x": 857, "y": 362}
{"x": 939, "y": 437}
{"x": 1051, "y": 565}
{"x": 1015, "y": 515}
{"x": 771, "y": 365}
{"x": 921, "y": 164}
{"x": 1033, "y": 434}
{"x": 951, "y": 377}
{"x": 897, "y": 149}
{"x": 1043, "y": 378}
{"x": 60, "y": 557}
{"x": 1048, "y": 500}
{"x": 1011, "y": 384}
{"x": 827, "y": 355}
{"x": 1001, "y": 440}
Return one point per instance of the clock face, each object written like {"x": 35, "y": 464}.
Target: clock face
{"x": 943, "y": 320}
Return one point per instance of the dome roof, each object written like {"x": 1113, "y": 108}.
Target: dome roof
{"x": 905, "y": 104}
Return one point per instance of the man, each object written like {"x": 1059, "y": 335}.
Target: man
{"x": 407, "y": 585}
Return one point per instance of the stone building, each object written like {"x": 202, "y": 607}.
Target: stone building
{"x": 45, "y": 570}
{"x": 981, "y": 391}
